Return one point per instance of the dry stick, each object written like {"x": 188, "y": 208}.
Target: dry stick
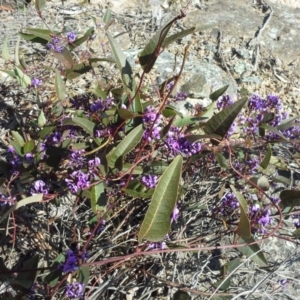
{"x": 257, "y": 38}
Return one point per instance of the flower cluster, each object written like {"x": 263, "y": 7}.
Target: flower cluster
{"x": 259, "y": 218}
{"x": 35, "y": 82}
{"x": 224, "y": 101}
{"x": 75, "y": 290}
{"x": 296, "y": 220}
{"x": 176, "y": 143}
{"x": 228, "y": 204}
{"x": 71, "y": 36}
{"x": 175, "y": 214}
{"x": 78, "y": 181}
{"x": 249, "y": 166}
{"x": 70, "y": 264}
{"x": 6, "y": 200}
{"x": 152, "y": 122}
{"x": 55, "y": 45}
{"x": 14, "y": 161}
{"x": 101, "y": 105}
{"x": 39, "y": 187}
{"x": 181, "y": 96}
{"x": 76, "y": 159}
{"x": 149, "y": 181}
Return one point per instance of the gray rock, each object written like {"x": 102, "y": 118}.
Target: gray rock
{"x": 239, "y": 19}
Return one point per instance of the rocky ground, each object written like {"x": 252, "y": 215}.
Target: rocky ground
{"x": 246, "y": 44}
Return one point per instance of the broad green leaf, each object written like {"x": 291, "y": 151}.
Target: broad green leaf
{"x": 60, "y": 87}
{"x": 157, "y": 221}
{"x": 18, "y": 138}
{"x": 137, "y": 170}
{"x": 263, "y": 183}
{"x": 149, "y": 54}
{"x": 17, "y": 47}
{"x": 44, "y": 34}
{"x": 218, "y": 93}
{"x": 179, "y": 35}
{"x": 296, "y": 233}
{"x": 244, "y": 227}
{"x": 126, "y": 145}
{"x": 78, "y": 70}
{"x": 252, "y": 251}
{"x": 40, "y": 4}
{"x": 287, "y": 123}
{"x": 45, "y": 131}
{"x": 222, "y": 161}
{"x": 32, "y": 199}
{"x": 42, "y": 119}
{"x": 289, "y": 198}
{"x": 181, "y": 295}
{"x": 155, "y": 167}
{"x": 136, "y": 194}
{"x": 53, "y": 277}
{"x": 26, "y": 279}
{"x": 125, "y": 113}
{"x": 17, "y": 147}
{"x": 23, "y": 79}
{"x": 186, "y": 120}
{"x": 275, "y": 130}
{"x": 107, "y": 16}
{"x": 166, "y": 128}
{"x": 85, "y": 124}
{"x": 265, "y": 162}
{"x": 127, "y": 77}
{"x": 98, "y": 197}
{"x": 171, "y": 112}
{"x": 82, "y": 39}
{"x": 228, "y": 268}
{"x": 32, "y": 38}
{"x": 84, "y": 274}
{"x": 5, "y": 49}
{"x": 220, "y": 123}
{"x": 29, "y": 146}
{"x": 64, "y": 57}
{"x": 196, "y": 137}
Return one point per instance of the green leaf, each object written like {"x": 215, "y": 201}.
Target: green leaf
{"x": 85, "y": 124}
{"x": 84, "y": 274}
{"x": 23, "y": 79}
{"x": 26, "y": 279}
{"x": 229, "y": 267}
{"x": 45, "y": 131}
{"x": 107, "y": 16}
{"x": 149, "y": 54}
{"x": 42, "y": 119}
{"x": 29, "y": 146}
{"x": 179, "y": 35}
{"x": 64, "y": 57}
{"x": 252, "y": 251}
{"x": 82, "y": 39}
{"x": 181, "y": 295}
{"x": 222, "y": 161}
{"x": 287, "y": 123}
{"x": 273, "y": 129}
{"x": 218, "y": 93}
{"x": 18, "y": 138}
{"x": 60, "y": 87}
{"x": 17, "y": 147}
{"x": 98, "y": 197}
{"x": 296, "y": 233}
{"x": 157, "y": 220}
{"x": 186, "y": 120}
{"x": 244, "y": 227}
{"x": 78, "y": 70}
{"x": 289, "y": 198}
{"x": 196, "y": 137}
{"x": 40, "y": 4}
{"x": 220, "y": 123}
{"x": 125, "y": 113}
{"x": 5, "y": 49}
{"x": 44, "y": 34}
{"x": 265, "y": 162}
{"x": 126, "y": 145}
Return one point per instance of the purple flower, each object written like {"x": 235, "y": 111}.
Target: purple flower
{"x": 70, "y": 264}
{"x": 175, "y": 214}
{"x": 150, "y": 115}
{"x": 93, "y": 163}
{"x": 75, "y": 290}
{"x": 35, "y": 82}
{"x": 181, "y": 96}
{"x": 76, "y": 158}
{"x": 54, "y": 138}
{"x": 149, "y": 181}
{"x": 6, "y": 201}
{"x": 78, "y": 181}
{"x": 39, "y": 186}
{"x": 255, "y": 102}
{"x": 55, "y": 45}
{"x": 71, "y": 36}
{"x": 224, "y": 101}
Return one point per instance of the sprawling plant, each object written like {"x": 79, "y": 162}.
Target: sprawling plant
{"x": 107, "y": 148}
